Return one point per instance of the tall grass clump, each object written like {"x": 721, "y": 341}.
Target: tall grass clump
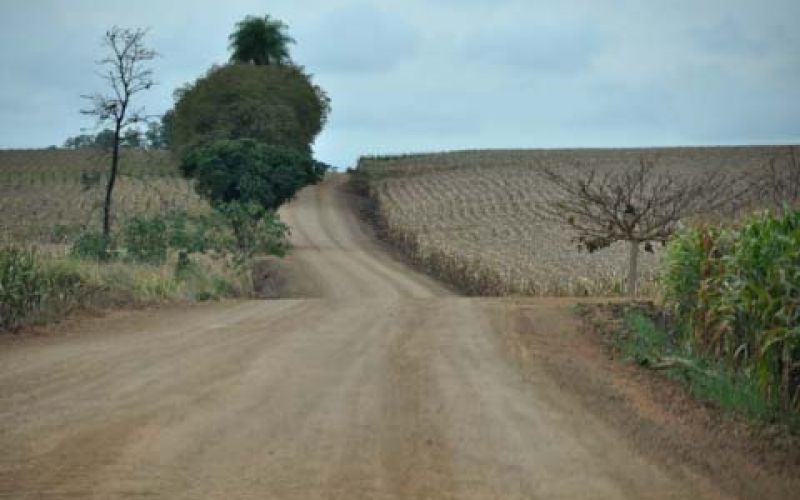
{"x": 708, "y": 378}
{"x": 735, "y": 295}
{"x": 37, "y": 288}
{"x": 31, "y": 286}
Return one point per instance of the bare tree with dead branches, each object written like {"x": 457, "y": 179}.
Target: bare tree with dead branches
{"x": 126, "y": 72}
{"x": 641, "y": 206}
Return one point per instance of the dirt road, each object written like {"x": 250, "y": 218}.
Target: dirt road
{"x": 385, "y": 385}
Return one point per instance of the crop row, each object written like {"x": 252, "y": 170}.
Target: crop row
{"x": 51, "y": 196}
{"x": 471, "y": 218}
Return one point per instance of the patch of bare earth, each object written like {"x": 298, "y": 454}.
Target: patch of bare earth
{"x": 661, "y": 418}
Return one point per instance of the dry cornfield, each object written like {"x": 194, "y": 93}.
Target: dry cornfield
{"x": 471, "y": 217}
{"x": 48, "y": 196}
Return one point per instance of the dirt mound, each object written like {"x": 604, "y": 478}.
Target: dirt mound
{"x": 284, "y": 278}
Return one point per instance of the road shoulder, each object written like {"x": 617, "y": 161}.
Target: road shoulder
{"x": 659, "y": 418}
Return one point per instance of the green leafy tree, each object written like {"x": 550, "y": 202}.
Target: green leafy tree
{"x": 126, "y": 73}
{"x": 103, "y": 141}
{"x": 82, "y": 141}
{"x": 277, "y": 105}
{"x": 260, "y": 41}
{"x": 244, "y": 170}
{"x": 157, "y": 133}
{"x": 132, "y": 139}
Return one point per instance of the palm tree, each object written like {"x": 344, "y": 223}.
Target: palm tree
{"x": 260, "y": 41}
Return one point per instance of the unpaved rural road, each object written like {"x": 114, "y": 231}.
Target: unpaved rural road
{"x": 383, "y": 385}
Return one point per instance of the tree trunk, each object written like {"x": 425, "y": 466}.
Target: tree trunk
{"x": 112, "y": 179}
{"x": 633, "y": 269}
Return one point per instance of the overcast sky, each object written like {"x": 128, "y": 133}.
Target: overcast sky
{"x": 421, "y": 75}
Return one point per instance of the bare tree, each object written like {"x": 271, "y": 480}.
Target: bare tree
{"x": 639, "y": 205}
{"x": 126, "y": 72}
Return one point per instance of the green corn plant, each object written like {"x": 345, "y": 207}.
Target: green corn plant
{"x": 765, "y": 286}
{"x": 738, "y": 293}
{"x": 22, "y": 286}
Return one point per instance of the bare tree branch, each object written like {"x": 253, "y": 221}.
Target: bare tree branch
{"x": 639, "y": 205}
{"x": 126, "y": 73}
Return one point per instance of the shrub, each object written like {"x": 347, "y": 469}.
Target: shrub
{"x": 257, "y": 231}
{"x": 147, "y": 239}
{"x": 239, "y": 229}
{"x": 93, "y": 246}
{"x": 29, "y": 285}
{"x": 22, "y": 286}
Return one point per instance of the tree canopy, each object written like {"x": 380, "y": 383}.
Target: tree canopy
{"x": 260, "y": 41}
{"x": 244, "y": 170}
{"x": 154, "y": 137}
{"x": 277, "y": 105}
{"x": 244, "y": 131}
{"x": 642, "y": 205}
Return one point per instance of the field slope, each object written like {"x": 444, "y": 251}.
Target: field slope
{"x": 471, "y": 218}
{"x": 51, "y": 196}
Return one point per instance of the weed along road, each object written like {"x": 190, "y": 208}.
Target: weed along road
{"x": 371, "y": 382}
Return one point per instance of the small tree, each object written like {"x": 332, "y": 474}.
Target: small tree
{"x": 82, "y": 141}
{"x": 126, "y": 73}
{"x": 157, "y": 133}
{"x": 132, "y": 139}
{"x": 640, "y": 206}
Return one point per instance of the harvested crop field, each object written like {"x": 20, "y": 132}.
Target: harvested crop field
{"x": 49, "y": 196}
{"x": 471, "y": 218}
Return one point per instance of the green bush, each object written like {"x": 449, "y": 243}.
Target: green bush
{"x": 256, "y": 231}
{"x": 242, "y": 230}
{"x": 736, "y": 295}
{"x": 146, "y": 239}
{"x": 93, "y": 246}
{"x": 22, "y": 286}
{"x": 29, "y": 285}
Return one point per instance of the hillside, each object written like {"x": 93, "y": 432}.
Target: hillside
{"x": 470, "y": 218}
{"x": 48, "y": 196}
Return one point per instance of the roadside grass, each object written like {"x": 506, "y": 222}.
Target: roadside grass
{"x": 36, "y": 288}
{"x": 736, "y": 392}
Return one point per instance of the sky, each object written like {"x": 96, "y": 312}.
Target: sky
{"x": 435, "y": 75}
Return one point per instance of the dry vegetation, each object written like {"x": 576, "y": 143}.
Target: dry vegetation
{"x": 471, "y": 218}
{"x": 49, "y": 196}
{"x": 49, "y": 199}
